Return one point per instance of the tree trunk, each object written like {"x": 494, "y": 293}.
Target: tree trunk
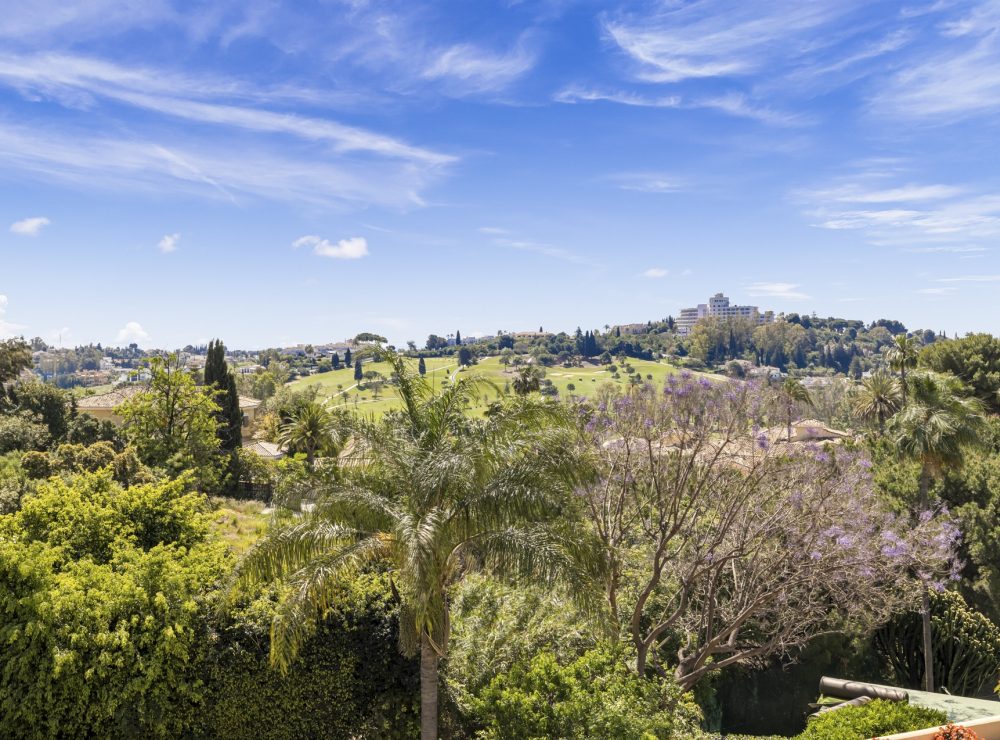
{"x": 925, "y": 598}
{"x": 925, "y": 617}
{"x": 428, "y": 689}
{"x": 642, "y": 652}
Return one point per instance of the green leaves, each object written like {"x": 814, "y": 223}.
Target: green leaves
{"x": 100, "y": 621}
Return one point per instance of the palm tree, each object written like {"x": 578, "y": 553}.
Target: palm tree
{"x": 313, "y": 430}
{"x": 935, "y": 429}
{"x": 902, "y": 356}
{"x": 434, "y": 494}
{"x": 878, "y": 397}
{"x": 528, "y": 379}
{"x": 794, "y": 393}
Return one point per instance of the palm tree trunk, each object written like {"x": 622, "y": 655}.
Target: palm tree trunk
{"x": 428, "y": 689}
{"x": 925, "y": 598}
{"x": 925, "y": 618}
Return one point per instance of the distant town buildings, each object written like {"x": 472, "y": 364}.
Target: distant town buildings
{"x": 718, "y": 306}
{"x": 631, "y": 328}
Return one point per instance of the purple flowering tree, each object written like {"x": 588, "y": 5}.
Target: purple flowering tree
{"x": 726, "y": 545}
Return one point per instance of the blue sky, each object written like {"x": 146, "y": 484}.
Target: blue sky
{"x": 272, "y": 173}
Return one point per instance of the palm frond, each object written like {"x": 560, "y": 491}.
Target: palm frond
{"x": 312, "y": 592}
{"x": 290, "y": 548}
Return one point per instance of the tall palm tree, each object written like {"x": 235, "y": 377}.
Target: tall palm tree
{"x": 878, "y": 397}
{"x": 434, "y": 494}
{"x": 936, "y": 428}
{"x": 528, "y": 379}
{"x": 312, "y": 429}
{"x": 902, "y": 356}
{"x": 794, "y": 393}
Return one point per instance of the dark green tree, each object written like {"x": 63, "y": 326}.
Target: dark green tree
{"x": 335, "y": 361}
{"x": 458, "y": 339}
{"x": 464, "y": 356}
{"x": 422, "y": 366}
{"x": 975, "y": 359}
{"x": 15, "y": 356}
{"x": 347, "y": 357}
{"x": 221, "y": 378}
{"x": 358, "y": 374}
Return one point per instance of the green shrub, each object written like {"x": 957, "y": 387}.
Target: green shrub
{"x": 873, "y": 719}
{"x": 349, "y": 680}
{"x": 495, "y": 626}
{"x": 101, "y": 614}
{"x": 14, "y": 482}
{"x": 22, "y": 432}
{"x": 596, "y": 695}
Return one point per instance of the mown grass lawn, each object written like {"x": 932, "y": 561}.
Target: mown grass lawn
{"x": 340, "y": 387}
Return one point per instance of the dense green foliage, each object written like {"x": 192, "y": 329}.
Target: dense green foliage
{"x": 350, "y": 679}
{"x": 966, "y": 646}
{"x": 975, "y": 359}
{"x": 595, "y": 695}
{"x": 99, "y": 609}
{"x": 220, "y": 379}
{"x": 174, "y": 425}
{"x": 871, "y": 720}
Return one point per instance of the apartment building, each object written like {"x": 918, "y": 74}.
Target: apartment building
{"x": 718, "y": 306}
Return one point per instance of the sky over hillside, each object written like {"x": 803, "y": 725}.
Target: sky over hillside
{"x": 280, "y": 172}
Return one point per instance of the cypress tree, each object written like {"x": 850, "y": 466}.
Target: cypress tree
{"x": 347, "y": 357}
{"x": 458, "y": 339}
{"x": 222, "y": 380}
{"x": 422, "y": 367}
{"x": 358, "y": 375}
{"x": 335, "y": 361}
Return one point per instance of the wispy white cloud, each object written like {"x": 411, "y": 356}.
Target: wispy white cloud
{"x": 168, "y": 243}
{"x": 470, "y": 68}
{"x": 717, "y": 39}
{"x": 960, "y": 77}
{"x": 239, "y": 147}
{"x": 906, "y": 214}
{"x": 971, "y": 279}
{"x": 655, "y": 272}
{"x": 955, "y": 249}
{"x": 647, "y": 182}
{"x": 346, "y": 249}
{"x": 579, "y": 94}
{"x": 546, "y": 250}
{"x": 788, "y": 291}
{"x": 131, "y": 333}
{"x": 29, "y": 226}
{"x": 855, "y": 193}
{"x": 735, "y": 104}
{"x": 42, "y": 19}
{"x": 66, "y": 79}
{"x": 219, "y": 168}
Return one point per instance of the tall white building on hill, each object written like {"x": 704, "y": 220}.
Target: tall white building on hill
{"x": 718, "y": 306}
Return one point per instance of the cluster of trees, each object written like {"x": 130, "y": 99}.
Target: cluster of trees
{"x": 546, "y": 569}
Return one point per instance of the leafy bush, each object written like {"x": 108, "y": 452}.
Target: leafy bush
{"x": 596, "y": 695}
{"x": 13, "y": 482}
{"x": 870, "y": 720}
{"x": 349, "y": 680}
{"x": 91, "y": 516}
{"x": 101, "y": 610}
{"x": 495, "y": 626}
{"x": 22, "y": 432}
